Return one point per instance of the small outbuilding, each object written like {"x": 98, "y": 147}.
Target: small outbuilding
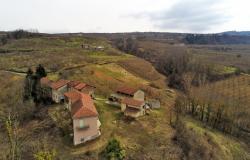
{"x": 154, "y": 103}
{"x": 133, "y": 108}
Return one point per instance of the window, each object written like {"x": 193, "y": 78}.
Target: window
{"x": 81, "y": 123}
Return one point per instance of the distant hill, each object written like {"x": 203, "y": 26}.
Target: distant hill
{"x": 236, "y": 33}
{"x": 223, "y": 38}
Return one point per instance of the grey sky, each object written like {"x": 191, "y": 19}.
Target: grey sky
{"x": 125, "y": 16}
{"x": 189, "y": 15}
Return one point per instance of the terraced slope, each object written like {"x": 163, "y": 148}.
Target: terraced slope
{"x": 108, "y": 69}
{"x": 39, "y": 127}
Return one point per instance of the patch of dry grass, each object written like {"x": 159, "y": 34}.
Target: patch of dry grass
{"x": 141, "y": 68}
{"x": 205, "y": 143}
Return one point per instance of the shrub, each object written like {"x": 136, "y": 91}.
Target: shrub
{"x": 114, "y": 151}
{"x": 195, "y": 145}
{"x": 45, "y": 155}
{"x": 237, "y": 71}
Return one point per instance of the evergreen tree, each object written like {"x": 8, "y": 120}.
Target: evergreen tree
{"x": 114, "y": 151}
{"x": 28, "y": 84}
{"x": 34, "y": 93}
{"x": 32, "y": 87}
{"x": 40, "y": 71}
{"x": 37, "y": 90}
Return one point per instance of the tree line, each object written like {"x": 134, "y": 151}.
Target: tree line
{"x": 18, "y": 34}
{"x": 175, "y": 63}
{"x": 217, "y": 116}
{"x": 216, "y": 39}
{"x": 172, "y": 64}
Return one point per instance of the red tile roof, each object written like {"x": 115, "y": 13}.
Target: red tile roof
{"x": 60, "y": 83}
{"x": 73, "y": 95}
{"x": 73, "y": 83}
{"x": 83, "y": 105}
{"x": 80, "y": 86}
{"x": 132, "y": 102}
{"x": 126, "y": 90}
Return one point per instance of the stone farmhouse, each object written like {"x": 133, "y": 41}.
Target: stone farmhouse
{"x": 131, "y": 101}
{"x": 86, "y": 124}
{"x": 93, "y": 47}
{"x": 82, "y": 87}
{"x": 77, "y": 98}
{"x": 133, "y": 108}
{"x": 58, "y": 90}
{"x": 128, "y": 92}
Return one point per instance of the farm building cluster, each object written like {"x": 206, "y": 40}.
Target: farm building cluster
{"x": 93, "y": 47}
{"x": 78, "y": 97}
{"x": 132, "y": 102}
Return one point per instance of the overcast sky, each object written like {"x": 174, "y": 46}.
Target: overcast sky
{"x": 54, "y": 16}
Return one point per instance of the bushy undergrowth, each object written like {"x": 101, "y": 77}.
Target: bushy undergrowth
{"x": 196, "y": 147}
{"x": 114, "y": 151}
{"x": 203, "y": 143}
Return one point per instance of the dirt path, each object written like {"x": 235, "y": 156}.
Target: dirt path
{"x": 63, "y": 69}
{"x": 14, "y": 72}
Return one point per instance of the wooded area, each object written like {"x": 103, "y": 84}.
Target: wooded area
{"x": 222, "y": 105}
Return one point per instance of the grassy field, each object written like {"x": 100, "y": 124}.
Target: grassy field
{"x": 139, "y": 138}
{"x": 224, "y": 55}
{"x": 224, "y": 58}
{"x": 66, "y": 52}
{"x": 150, "y": 137}
{"x": 212, "y": 144}
{"x": 64, "y": 58}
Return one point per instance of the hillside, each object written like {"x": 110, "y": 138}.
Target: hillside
{"x": 231, "y": 97}
{"x": 154, "y": 50}
{"x": 63, "y": 57}
{"x": 149, "y": 137}
{"x": 201, "y": 142}
{"x": 209, "y": 75}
